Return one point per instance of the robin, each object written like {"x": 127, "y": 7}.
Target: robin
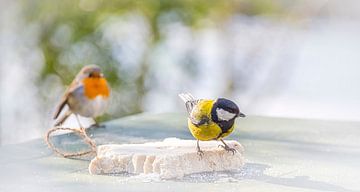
{"x": 87, "y": 95}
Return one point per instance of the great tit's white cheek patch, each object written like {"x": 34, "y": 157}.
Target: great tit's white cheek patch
{"x": 224, "y": 115}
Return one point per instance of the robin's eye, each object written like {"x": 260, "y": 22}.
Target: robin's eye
{"x": 94, "y": 74}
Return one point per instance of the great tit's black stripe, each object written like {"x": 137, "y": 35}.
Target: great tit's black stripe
{"x": 225, "y": 126}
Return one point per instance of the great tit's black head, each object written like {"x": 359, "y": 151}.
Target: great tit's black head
{"x": 225, "y": 110}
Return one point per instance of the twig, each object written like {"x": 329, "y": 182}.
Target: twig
{"x": 83, "y": 135}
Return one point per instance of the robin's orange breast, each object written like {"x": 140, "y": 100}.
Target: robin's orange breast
{"x": 94, "y": 87}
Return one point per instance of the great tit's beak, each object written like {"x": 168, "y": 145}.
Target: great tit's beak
{"x": 241, "y": 115}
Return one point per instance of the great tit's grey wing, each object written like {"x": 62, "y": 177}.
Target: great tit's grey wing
{"x": 203, "y": 120}
{"x": 189, "y": 100}
{"x": 195, "y": 116}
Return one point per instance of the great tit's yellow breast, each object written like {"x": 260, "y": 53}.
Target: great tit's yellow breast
{"x": 204, "y": 132}
{"x": 207, "y": 131}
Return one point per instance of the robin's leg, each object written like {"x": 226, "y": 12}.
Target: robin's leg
{"x": 85, "y": 136}
{"x": 78, "y": 120}
{"x": 226, "y": 147}
{"x": 199, "y": 151}
{"x": 97, "y": 125}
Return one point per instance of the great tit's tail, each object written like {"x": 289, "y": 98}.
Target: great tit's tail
{"x": 186, "y": 97}
{"x": 189, "y": 101}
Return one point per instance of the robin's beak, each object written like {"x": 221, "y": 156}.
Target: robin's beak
{"x": 241, "y": 115}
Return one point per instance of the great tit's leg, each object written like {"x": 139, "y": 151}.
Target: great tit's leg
{"x": 227, "y": 148}
{"x": 199, "y": 151}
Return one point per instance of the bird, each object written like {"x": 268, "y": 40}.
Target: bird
{"x": 87, "y": 96}
{"x": 211, "y": 119}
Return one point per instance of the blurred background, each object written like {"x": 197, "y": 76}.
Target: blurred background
{"x": 281, "y": 58}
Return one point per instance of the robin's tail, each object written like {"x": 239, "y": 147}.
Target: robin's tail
{"x": 62, "y": 119}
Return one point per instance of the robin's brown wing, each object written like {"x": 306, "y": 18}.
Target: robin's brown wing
{"x": 74, "y": 85}
{"x": 60, "y": 106}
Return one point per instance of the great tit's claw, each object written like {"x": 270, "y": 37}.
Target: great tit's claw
{"x": 229, "y": 149}
{"x": 200, "y": 153}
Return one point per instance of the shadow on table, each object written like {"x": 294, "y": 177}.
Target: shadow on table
{"x": 255, "y": 171}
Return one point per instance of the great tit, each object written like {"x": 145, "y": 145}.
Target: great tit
{"x": 211, "y": 119}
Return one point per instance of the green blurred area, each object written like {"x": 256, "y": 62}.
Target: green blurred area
{"x": 84, "y": 18}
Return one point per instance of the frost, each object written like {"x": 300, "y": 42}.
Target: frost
{"x": 171, "y": 158}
